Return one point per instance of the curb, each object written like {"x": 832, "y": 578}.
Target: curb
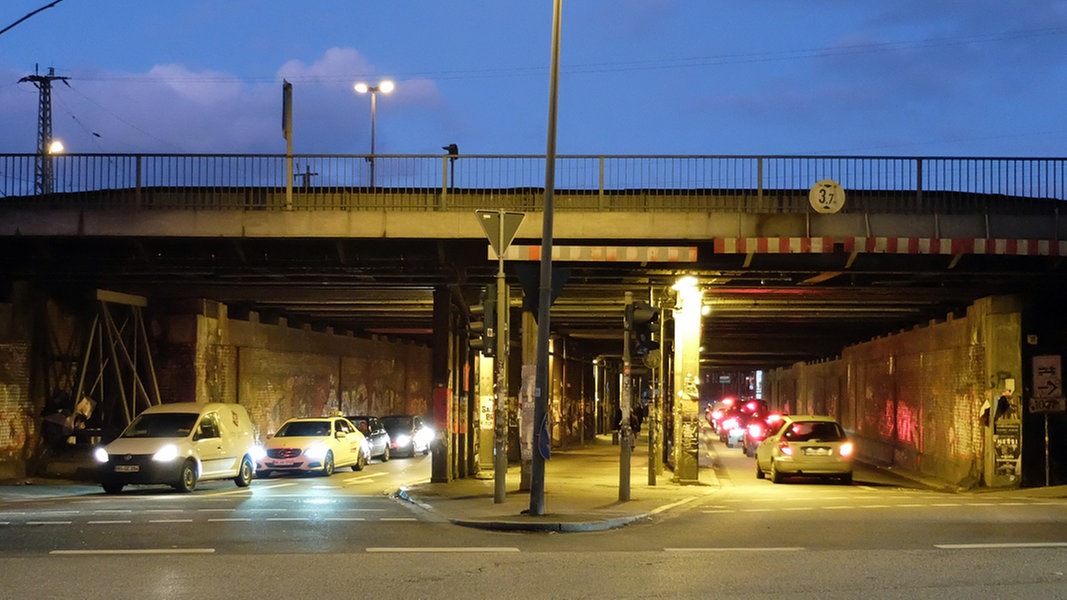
{"x": 553, "y": 526}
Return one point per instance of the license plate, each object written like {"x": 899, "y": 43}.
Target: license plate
{"x": 816, "y": 451}
{"x": 282, "y": 462}
{"x": 127, "y": 468}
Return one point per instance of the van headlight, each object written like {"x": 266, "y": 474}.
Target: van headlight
{"x": 403, "y": 440}
{"x": 425, "y": 435}
{"x": 166, "y": 453}
{"x": 257, "y": 453}
{"x": 101, "y": 455}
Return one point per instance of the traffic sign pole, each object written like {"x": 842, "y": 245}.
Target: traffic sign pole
{"x": 503, "y": 315}
{"x": 500, "y": 226}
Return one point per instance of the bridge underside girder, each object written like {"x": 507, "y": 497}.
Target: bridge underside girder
{"x": 766, "y": 310}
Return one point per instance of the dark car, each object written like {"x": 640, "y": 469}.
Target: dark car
{"x": 408, "y": 434}
{"x": 376, "y": 435}
{"x": 758, "y": 427}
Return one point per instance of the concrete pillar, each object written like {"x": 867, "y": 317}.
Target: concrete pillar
{"x": 686, "y": 380}
{"x": 1000, "y": 321}
{"x": 441, "y": 403}
{"x": 526, "y": 398}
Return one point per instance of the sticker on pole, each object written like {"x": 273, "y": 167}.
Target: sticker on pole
{"x": 826, "y": 196}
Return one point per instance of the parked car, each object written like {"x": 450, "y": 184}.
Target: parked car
{"x": 377, "y": 437}
{"x": 757, "y": 427}
{"x": 313, "y": 444}
{"x": 180, "y": 444}
{"x": 408, "y": 434}
{"x": 806, "y": 445}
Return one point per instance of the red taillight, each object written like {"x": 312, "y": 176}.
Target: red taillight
{"x": 716, "y": 414}
{"x": 755, "y": 431}
{"x": 845, "y": 449}
{"x": 730, "y": 423}
{"x": 785, "y": 448}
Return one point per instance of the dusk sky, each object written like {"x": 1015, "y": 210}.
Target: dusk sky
{"x": 682, "y": 77}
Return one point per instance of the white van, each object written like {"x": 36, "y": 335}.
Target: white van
{"x": 180, "y": 444}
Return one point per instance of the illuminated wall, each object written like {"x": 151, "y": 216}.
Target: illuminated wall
{"x": 914, "y": 399}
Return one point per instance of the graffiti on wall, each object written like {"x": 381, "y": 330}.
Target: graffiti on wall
{"x": 16, "y": 421}
{"x": 276, "y": 386}
{"x": 17, "y": 415}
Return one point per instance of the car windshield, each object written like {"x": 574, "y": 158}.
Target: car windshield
{"x": 304, "y": 429}
{"x": 161, "y": 425}
{"x": 814, "y": 431}
{"x": 395, "y": 423}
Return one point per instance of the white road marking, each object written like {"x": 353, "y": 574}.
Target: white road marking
{"x": 170, "y": 520}
{"x": 136, "y": 551}
{"x": 439, "y": 549}
{"x": 660, "y": 509}
{"x": 48, "y": 522}
{"x": 1002, "y": 545}
{"x": 122, "y": 522}
{"x": 743, "y": 549}
{"x": 228, "y": 519}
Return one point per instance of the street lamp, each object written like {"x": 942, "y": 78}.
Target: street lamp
{"x": 384, "y": 87}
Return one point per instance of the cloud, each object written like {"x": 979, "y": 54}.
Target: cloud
{"x": 172, "y": 108}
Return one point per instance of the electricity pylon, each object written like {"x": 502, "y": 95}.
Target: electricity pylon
{"x": 44, "y": 126}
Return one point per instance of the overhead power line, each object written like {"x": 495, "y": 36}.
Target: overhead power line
{"x": 5, "y": 29}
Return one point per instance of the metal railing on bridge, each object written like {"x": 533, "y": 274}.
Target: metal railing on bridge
{"x": 757, "y": 184}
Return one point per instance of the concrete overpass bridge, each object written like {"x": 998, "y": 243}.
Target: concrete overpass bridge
{"x": 915, "y": 238}
{"x": 822, "y": 293}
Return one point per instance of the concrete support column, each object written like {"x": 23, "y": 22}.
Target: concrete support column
{"x": 1001, "y": 321}
{"x": 441, "y": 403}
{"x": 686, "y": 379}
{"x": 526, "y": 398}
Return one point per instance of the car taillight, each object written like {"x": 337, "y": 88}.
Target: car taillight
{"x": 845, "y": 449}
{"x": 785, "y": 448}
{"x": 730, "y": 424}
{"x": 755, "y": 431}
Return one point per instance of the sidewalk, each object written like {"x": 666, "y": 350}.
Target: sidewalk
{"x": 581, "y": 493}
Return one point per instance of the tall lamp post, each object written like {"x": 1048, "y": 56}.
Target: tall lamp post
{"x": 384, "y": 87}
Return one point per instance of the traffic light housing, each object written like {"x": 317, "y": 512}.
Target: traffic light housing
{"x": 644, "y": 322}
{"x": 482, "y": 323}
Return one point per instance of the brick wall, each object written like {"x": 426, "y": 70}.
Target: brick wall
{"x": 913, "y": 399}
{"x": 18, "y": 414}
{"x": 279, "y": 372}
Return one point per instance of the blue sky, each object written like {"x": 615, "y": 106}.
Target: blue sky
{"x": 689, "y": 77}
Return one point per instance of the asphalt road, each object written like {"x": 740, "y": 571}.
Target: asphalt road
{"x": 346, "y": 536}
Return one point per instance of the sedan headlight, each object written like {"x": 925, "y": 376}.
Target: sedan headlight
{"x": 100, "y": 455}
{"x": 316, "y": 451}
{"x": 257, "y": 453}
{"x": 403, "y": 440}
{"x": 166, "y": 453}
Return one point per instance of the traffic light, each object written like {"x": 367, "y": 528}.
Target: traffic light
{"x": 644, "y": 322}
{"x": 482, "y": 323}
